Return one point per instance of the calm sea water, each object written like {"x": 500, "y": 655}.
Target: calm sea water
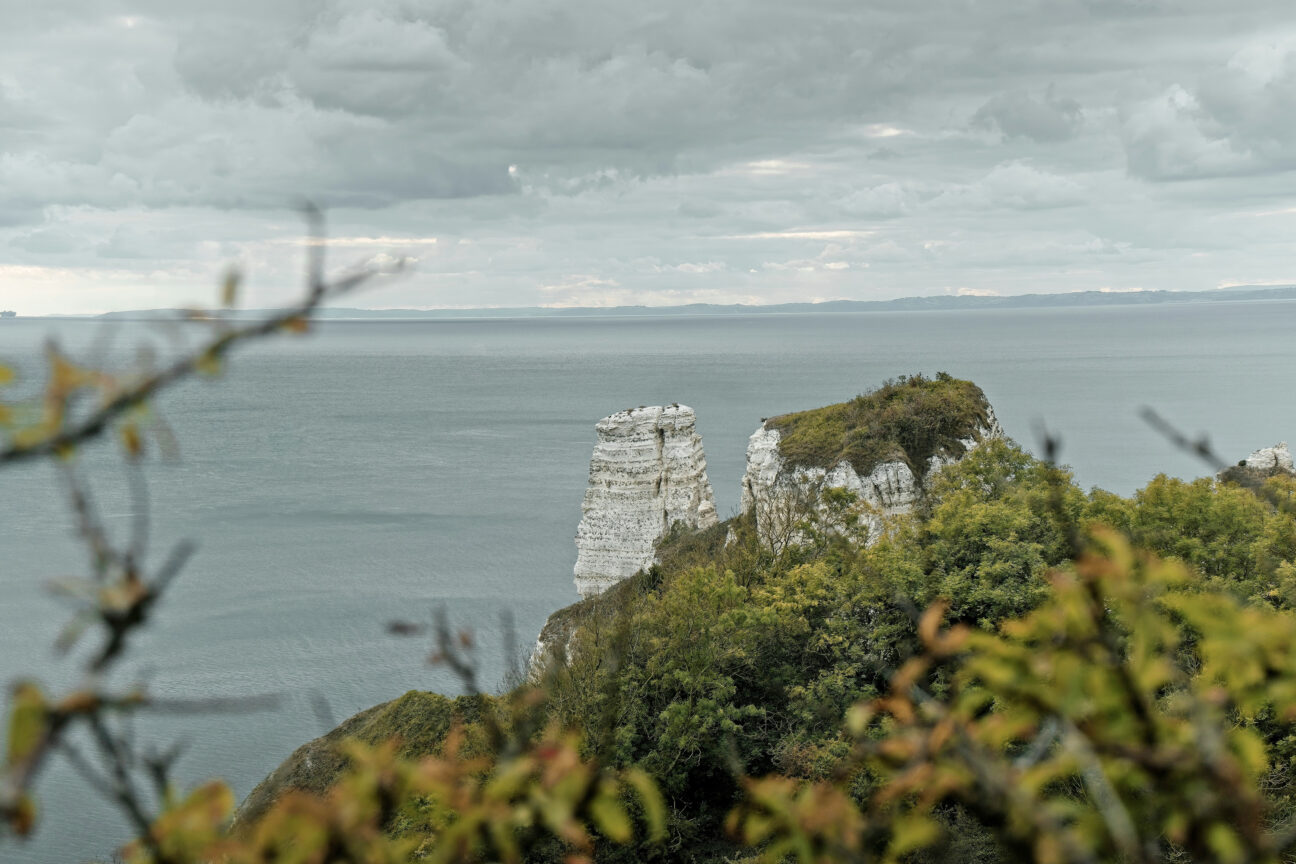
{"x": 379, "y": 470}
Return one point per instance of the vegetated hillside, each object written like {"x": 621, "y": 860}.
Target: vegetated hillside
{"x": 419, "y": 721}
{"x": 728, "y": 661}
{"x": 909, "y": 419}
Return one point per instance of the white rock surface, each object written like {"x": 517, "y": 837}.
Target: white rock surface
{"x": 648, "y": 472}
{"x": 779, "y": 494}
{"x": 1268, "y": 458}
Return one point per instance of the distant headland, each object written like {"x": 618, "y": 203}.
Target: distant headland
{"x": 903, "y": 304}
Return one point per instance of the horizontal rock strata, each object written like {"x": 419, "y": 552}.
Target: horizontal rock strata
{"x": 648, "y": 472}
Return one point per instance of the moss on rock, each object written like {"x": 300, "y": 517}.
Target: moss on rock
{"x": 909, "y": 419}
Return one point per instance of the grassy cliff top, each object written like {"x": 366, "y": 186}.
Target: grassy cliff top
{"x": 909, "y": 419}
{"x": 419, "y": 720}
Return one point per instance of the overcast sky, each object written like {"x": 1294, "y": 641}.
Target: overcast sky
{"x": 601, "y": 152}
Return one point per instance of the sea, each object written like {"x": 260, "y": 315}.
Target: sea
{"x": 379, "y": 471}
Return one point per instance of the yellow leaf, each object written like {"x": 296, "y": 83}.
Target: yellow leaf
{"x": 298, "y": 324}
{"x": 6, "y": 375}
{"x": 612, "y": 819}
{"x": 1224, "y": 842}
{"x": 26, "y": 722}
{"x": 650, "y": 798}
{"x": 912, "y": 831}
{"x": 65, "y": 376}
{"x": 131, "y": 440}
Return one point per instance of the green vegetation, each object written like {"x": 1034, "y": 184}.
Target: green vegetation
{"x": 909, "y": 419}
{"x": 419, "y": 721}
{"x": 991, "y": 681}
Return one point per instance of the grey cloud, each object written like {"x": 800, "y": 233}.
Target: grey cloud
{"x": 1018, "y": 114}
{"x": 1014, "y": 186}
{"x": 885, "y": 200}
{"x": 145, "y": 244}
{"x": 694, "y": 209}
{"x": 47, "y": 241}
{"x": 230, "y": 59}
{"x": 953, "y": 142}
{"x": 1234, "y": 119}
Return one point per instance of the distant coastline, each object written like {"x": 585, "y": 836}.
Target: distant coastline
{"x": 903, "y": 304}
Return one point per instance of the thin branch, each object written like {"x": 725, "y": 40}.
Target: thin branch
{"x": 140, "y": 515}
{"x": 82, "y": 766}
{"x": 123, "y": 788}
{"x": 1199, "y": 447}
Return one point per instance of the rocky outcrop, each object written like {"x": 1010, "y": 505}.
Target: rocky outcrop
{"x": 1260, "y": 465}
{"x": 1275, "y": 458}
{"x": 647, "y": 473}
{"x": 783, "y": 494}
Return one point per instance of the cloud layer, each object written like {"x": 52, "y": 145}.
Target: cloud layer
{"x": 600, "y": 151}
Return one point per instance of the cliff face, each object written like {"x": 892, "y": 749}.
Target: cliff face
{"x": 782, "y": 490}
{"x": 648, "y": 472}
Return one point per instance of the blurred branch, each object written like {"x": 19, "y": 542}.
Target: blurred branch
{"x": 1199, "y": 447}
{"x": 119, "y": 597}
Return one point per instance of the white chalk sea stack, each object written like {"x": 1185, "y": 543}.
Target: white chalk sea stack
{"x": 1270, "y": 458}
{"x": 648, "y": 472}
{"x": 776, "y": 491}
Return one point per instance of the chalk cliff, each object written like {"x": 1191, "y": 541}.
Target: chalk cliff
{"x": 648, "y": 472}
{"x": 1270, "y": 458}
{"x": 783, "y": 488}
{"x": 1260, "y": 465}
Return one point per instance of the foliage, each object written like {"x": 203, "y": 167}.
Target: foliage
{"x": 1085, "y": 731}
{"x": 1232, "y": 537}
{"x": 420, "y": 722}
{"x": 910, "y": 419}
{"x": 767, "y": 666}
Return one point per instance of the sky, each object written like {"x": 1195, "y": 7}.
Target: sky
{"x": 611, "y": 152}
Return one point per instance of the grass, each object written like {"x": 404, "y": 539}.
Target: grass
{"x": 419, "y": 720}
{"x": 909, "y": 419}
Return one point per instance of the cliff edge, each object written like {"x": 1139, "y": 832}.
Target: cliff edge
{"x": 879, "y": 447}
